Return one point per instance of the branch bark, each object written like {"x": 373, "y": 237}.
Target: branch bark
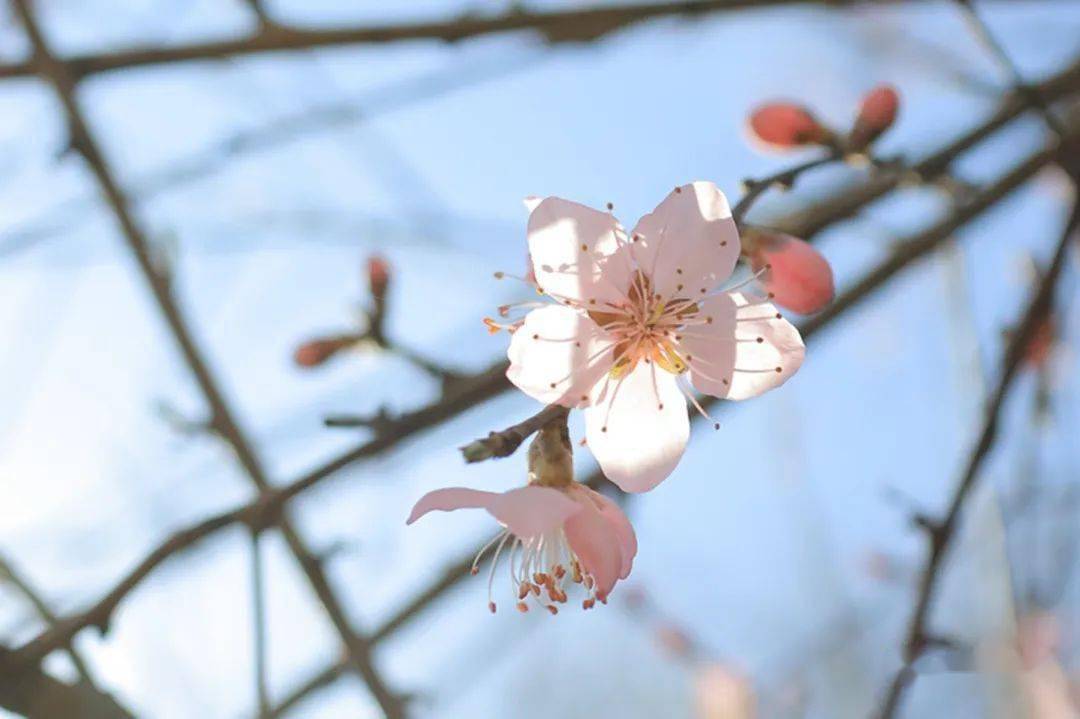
{"x": 36, "y": 695}
{"x": 573, "y": 25}
{"x": 941, "y": 534}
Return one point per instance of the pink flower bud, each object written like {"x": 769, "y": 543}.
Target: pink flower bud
{"x": 378, "y": 273}
{"x": 876, "y": 115}
{"x": 785, "y": 126}
{"x": 315, "y": 352}
{"x": 798, "y": 276}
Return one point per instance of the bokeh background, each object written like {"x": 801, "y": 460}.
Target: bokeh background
{"x": 777, "y": 565}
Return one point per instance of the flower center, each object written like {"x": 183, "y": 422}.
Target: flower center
{"x": 646, "y": 327}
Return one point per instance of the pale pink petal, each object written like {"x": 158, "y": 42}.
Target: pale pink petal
{"x": 572, "y": 248}
{"x": 709, "y": 348}
{"x": 689, "y": 244}
{"x": 449, "y": 499}
{"x": 621, "y": 526}
{"x": 637, "y": 427}
{"x": 532, "y": 202}
{"x": 799, "y": 277}
{"x": 747, "y": 350}
{"x": 529, "y": 511}
{"x": 558, "y": 355}
{"x": 591, "y": 538}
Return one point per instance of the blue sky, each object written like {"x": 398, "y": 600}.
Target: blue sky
{"x": 757, "y": 544}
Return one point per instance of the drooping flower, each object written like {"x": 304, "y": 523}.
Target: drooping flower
{"x": 793, "y": 272}
{"x": 558, "y": 531}
{"x": 636, "y": 319}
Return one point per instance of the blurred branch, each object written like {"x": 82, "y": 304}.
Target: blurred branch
{"x": 505, "y": 442}
{"x": 942, "y": 533}
{"x": 1030, "y": 94}
{"x": 22, "y": 585}
{"x": 69, "y": 214}
{"x": 558, "y": 26}
{"x": 57, "y": 74}
{"x": 258, "y": 620}
{"x": 36, "y": 695}
{"x": 907, "y": 253}
{"x": 257, "y": 515}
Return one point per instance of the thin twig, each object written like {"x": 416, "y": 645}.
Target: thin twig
{"x": 1031, "y": 94}
{"x": 505, "y": 442}
{"x": 941, "y": 534}
{"x": 258, "y": 620}
{"x": 753, "y": 189}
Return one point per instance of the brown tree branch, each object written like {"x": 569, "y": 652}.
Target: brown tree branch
{"x": 63, "y": 83}
{"x": 572, "y": 25}
{"x": 36, "y": 695}
{"x": 942, "y": 534}
{"x": 505, "y": 442}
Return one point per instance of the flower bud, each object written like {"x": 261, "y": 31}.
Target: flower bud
{"x": 876, "y": 115}
{"x": 315, "y": 352}
{"x": 796, "y": 275}
{"x": 785, "y": 126}
{"x": 378, "y": 274}
{"x": 1041, "y": 344}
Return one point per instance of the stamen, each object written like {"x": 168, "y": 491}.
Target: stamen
{"x": 749, "y": 279}
{"x": 701, "y": 410}
{"x": 479, "y": 555}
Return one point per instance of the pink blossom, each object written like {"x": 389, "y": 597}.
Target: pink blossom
{"x": 637, "y": 319}
{"x": 795, "y": 274}
{"x": 555, "y": 535}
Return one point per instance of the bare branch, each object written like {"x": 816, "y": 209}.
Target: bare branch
{"x": 36, "y": 695}
{"x": 9, "y": 574}
{"x": 941, "y": 534}
{"x": 1030, "y": 94}
{"x": 573, "y": 25}
{"x": 505, "y": 442}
